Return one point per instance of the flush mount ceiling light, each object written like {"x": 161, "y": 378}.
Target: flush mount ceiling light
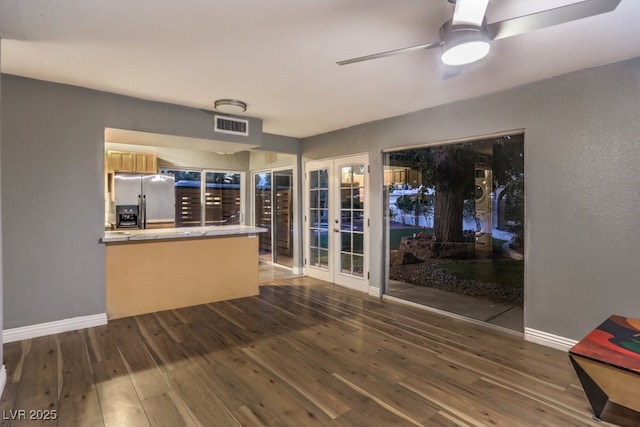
{"x": 230, "y": 106}
{"x": 464, "y": 44}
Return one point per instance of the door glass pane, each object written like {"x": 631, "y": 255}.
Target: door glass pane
{"x": 324, "y": 259}
{"x": 352, "y": 220}
{"x": 222, "y": 198}
{"x": 358, "y": 265}
{"x": 283, "y": 230}
{"x": 314, "y": 218}
{"x": 314, "y": 179}
{"x": 358, "y": 243}
{"x": 356, "y": 199}
{"x": 188, "y": 206}
{"x": 358, "y": 220}
{"x": 323, "y": 178}
{"x": 314, "y": 238}
{"x": 262, "y": 182}
{"x": 324, "y": 237}
{"x": 345, "y": 198}
{"x": 314, "y": 256}
{"x": 345, "y": 242}
{"x": 319, "y": 218}
{"x": 345, "y": 220}
{"x": 323, "y": 199}
{"x": 345, "y": 263}
{"x": 314, "y": 199}
{"x": 346, "y": 176}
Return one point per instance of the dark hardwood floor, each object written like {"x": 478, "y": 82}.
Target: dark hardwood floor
{"x": 303, "y": 353}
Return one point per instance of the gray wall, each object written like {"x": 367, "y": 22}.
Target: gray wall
{"x": 52, "y": 190}
{"x": 583, "y": 181}
{"x": 280, "y": 144}
{"x": 582, "y": 168}
{"x": 1, "y": 241}
{"x": 267, "y": 160}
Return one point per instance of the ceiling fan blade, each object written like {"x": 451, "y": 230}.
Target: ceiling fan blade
{"x": 548, "y": 18}
{"x": 390, "y": 53}
{"x": 469, "y": 12}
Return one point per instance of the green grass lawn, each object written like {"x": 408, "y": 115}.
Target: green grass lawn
{"x": 497, "y": 245}
{"x": 506, "y": 272}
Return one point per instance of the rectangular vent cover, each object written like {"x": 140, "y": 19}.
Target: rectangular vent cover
{"x": 231, "y": 125}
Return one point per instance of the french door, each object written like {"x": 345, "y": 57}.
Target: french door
{"x": 336, "y": 221}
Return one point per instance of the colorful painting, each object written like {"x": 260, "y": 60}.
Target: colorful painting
{"x": 615, "y": 342}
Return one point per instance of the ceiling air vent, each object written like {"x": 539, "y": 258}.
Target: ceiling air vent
{"x": 231, "y": 125}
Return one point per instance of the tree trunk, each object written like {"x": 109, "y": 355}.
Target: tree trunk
{"x": 448, "y": 214}
{"x": 454, "y": 174}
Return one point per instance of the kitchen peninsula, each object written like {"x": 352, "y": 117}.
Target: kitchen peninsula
{"x": 162, "y": 269}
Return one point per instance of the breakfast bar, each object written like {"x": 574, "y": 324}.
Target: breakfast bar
{"x": 162, "y": 269}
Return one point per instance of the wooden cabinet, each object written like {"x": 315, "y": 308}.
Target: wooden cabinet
{"x": 145, "y": 163}
{"x": 155, "y": 275}
{"x": 124, "y": 161}
{"x": 119, "y": 161}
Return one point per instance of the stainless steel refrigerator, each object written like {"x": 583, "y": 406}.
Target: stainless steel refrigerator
{"x": 143, "y": 200}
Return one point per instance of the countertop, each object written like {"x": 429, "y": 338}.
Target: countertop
{"x": 179, "y": 233}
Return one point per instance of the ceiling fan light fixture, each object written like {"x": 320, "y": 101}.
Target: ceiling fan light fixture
{"x": 465, "y": 53}
{"x": 464, "y": 44}
{"x": 230, "y": 106}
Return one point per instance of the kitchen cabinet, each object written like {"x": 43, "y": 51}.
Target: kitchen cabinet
{"x": 145, "y": 163}
{"x": 119, "y": 161}
{"x": 125, "y": 161}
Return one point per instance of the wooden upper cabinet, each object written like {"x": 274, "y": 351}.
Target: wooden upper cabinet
{"x": 145, "y": 163}
{"x": 123, "y": 161}
{"x": 119, "y": 161}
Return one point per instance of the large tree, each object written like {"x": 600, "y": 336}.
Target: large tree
{"x": 448, "y": 169}
{"x": 451, "y": 173}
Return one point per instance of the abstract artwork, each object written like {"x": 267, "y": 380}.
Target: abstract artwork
{"x": 607, "y": 362}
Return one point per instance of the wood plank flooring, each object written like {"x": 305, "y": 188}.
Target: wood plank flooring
{"x": 302, "y": 353}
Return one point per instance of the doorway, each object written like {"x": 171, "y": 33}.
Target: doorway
{"x": 336, "y": 221}
{"x": 273, "y": 210}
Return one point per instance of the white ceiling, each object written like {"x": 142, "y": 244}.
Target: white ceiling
{"x": 279, "y": 56}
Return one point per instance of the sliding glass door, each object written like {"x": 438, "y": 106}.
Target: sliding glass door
{"x": 273, "y": 210}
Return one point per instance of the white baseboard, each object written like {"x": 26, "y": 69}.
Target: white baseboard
{"x": 549, "y": 340}
{"x": 56, "y": 327}
{"x": 3, "y": 379}
{"x": 374, "y": 291}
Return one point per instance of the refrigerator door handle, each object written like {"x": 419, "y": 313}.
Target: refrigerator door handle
{"x": 144, "y": 211}
{"x": 140, "y": 211}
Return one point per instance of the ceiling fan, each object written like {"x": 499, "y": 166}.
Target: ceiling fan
{"x": 466, "y": 38}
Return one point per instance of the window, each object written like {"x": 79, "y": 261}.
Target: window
{"x": 207, "y": 197}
